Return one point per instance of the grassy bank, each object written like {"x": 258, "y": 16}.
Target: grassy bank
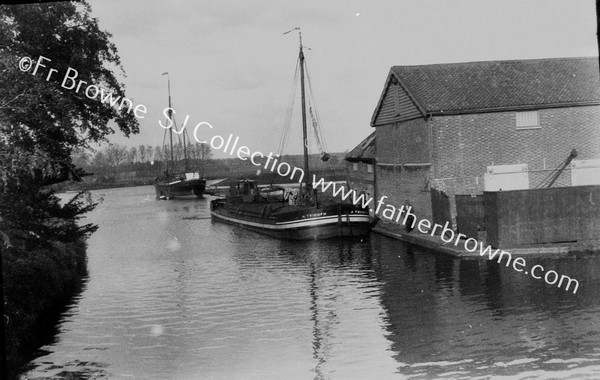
{"x": 39, "y": 283}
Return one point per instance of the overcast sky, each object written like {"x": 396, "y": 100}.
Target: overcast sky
{"x": 231, "y": 65}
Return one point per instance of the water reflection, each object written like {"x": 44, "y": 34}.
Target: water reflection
{"x": 466, "y": 318}
{"x": 338, "y": 291}
{"x": 173, "y": 295}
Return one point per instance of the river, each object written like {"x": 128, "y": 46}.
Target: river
{"x": 173, "y": 295}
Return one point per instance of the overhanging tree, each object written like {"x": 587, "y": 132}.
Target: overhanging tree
{"x": 42, "y": 123}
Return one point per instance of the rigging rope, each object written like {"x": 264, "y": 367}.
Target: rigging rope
{"x": 181, "y": 138}
{"x": 319, "y": 136}
{"x": 318, "y": 132}
{"x": 314, "y": 114}
{"x": 289, "y": 112}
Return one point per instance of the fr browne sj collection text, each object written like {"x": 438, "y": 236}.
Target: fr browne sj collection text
{"x": 71, "y": 82}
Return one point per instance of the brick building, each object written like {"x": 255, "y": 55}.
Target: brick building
{"x": 360, "y": 166}
{"x": 465, "y": 127}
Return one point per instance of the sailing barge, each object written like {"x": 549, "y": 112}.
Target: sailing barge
{"x": 178, "y": 185}
{"x": 305, "y": 219}
{"x": 288, "y": 216}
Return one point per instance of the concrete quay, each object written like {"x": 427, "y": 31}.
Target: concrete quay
{"x": 435, "y": 243}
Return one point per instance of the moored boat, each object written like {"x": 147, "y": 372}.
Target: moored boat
{"x": 289, "y": 215}
{"x": 282, "y": 218}
{"x": 178, "y": 185}
{"x": 181, "y": 185}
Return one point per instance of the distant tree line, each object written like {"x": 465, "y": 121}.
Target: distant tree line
{"x": 114, "y": 155}
{"x": 142, "y": 162}
{"x": 118, "y": 165}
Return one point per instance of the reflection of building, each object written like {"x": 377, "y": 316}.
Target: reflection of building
{"x": 360, "y": 166}
{"x": 460, "y": 127}
{"x": 445, "y": 315}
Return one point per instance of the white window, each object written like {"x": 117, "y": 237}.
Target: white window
{"x": 506, "y": 177}
{"x": 585, "y": 172}
{"x": 528, "y": 120}
{"x": 355, "y": 167}
{"x": 369, "y": 168}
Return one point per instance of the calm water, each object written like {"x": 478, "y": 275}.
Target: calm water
{"x": 172, "y": 295}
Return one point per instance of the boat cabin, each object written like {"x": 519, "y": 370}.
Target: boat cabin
{"x": 244, "y": 191}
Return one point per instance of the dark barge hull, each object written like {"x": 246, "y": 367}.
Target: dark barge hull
{"x": 180, "y": 188}
{"x": 294, "y": 222}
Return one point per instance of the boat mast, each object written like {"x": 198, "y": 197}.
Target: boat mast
{"x": 304, "y": 133}
{"x": 170, "y": 118}
{"x": 185, "y": 158}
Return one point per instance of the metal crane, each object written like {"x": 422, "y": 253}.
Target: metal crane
{"x": 549, "y": 181}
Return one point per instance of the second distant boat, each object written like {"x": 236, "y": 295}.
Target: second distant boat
{"x": 175, "y": 185}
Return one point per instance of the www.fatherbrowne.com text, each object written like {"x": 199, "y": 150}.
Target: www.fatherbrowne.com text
{"x": 447, "y": 235}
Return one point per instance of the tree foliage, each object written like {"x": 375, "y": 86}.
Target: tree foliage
{"x": 43, "y": 123}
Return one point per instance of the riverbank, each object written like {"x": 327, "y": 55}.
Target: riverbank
{"x": 39, "y": 284}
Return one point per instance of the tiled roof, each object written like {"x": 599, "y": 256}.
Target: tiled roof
{"x": 502, "y": 85}
{"x": 363, "y": 152}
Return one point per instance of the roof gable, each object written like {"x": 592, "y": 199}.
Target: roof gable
{"x": 365, "y": 151}
{"x": 396, "y": 103}
{"x": 473, "y": 87}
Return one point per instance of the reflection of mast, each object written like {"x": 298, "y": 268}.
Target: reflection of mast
{"x": 314, "y": 308}
{"x": 323, "y": 316}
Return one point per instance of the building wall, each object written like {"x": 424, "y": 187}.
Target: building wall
{"x": 401, "y": 146}
{"x": 464, "y": 145}
{"x": 361, "y": 179}
{"x": 403, "y": 142}
{"x": 460, "y": 147}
